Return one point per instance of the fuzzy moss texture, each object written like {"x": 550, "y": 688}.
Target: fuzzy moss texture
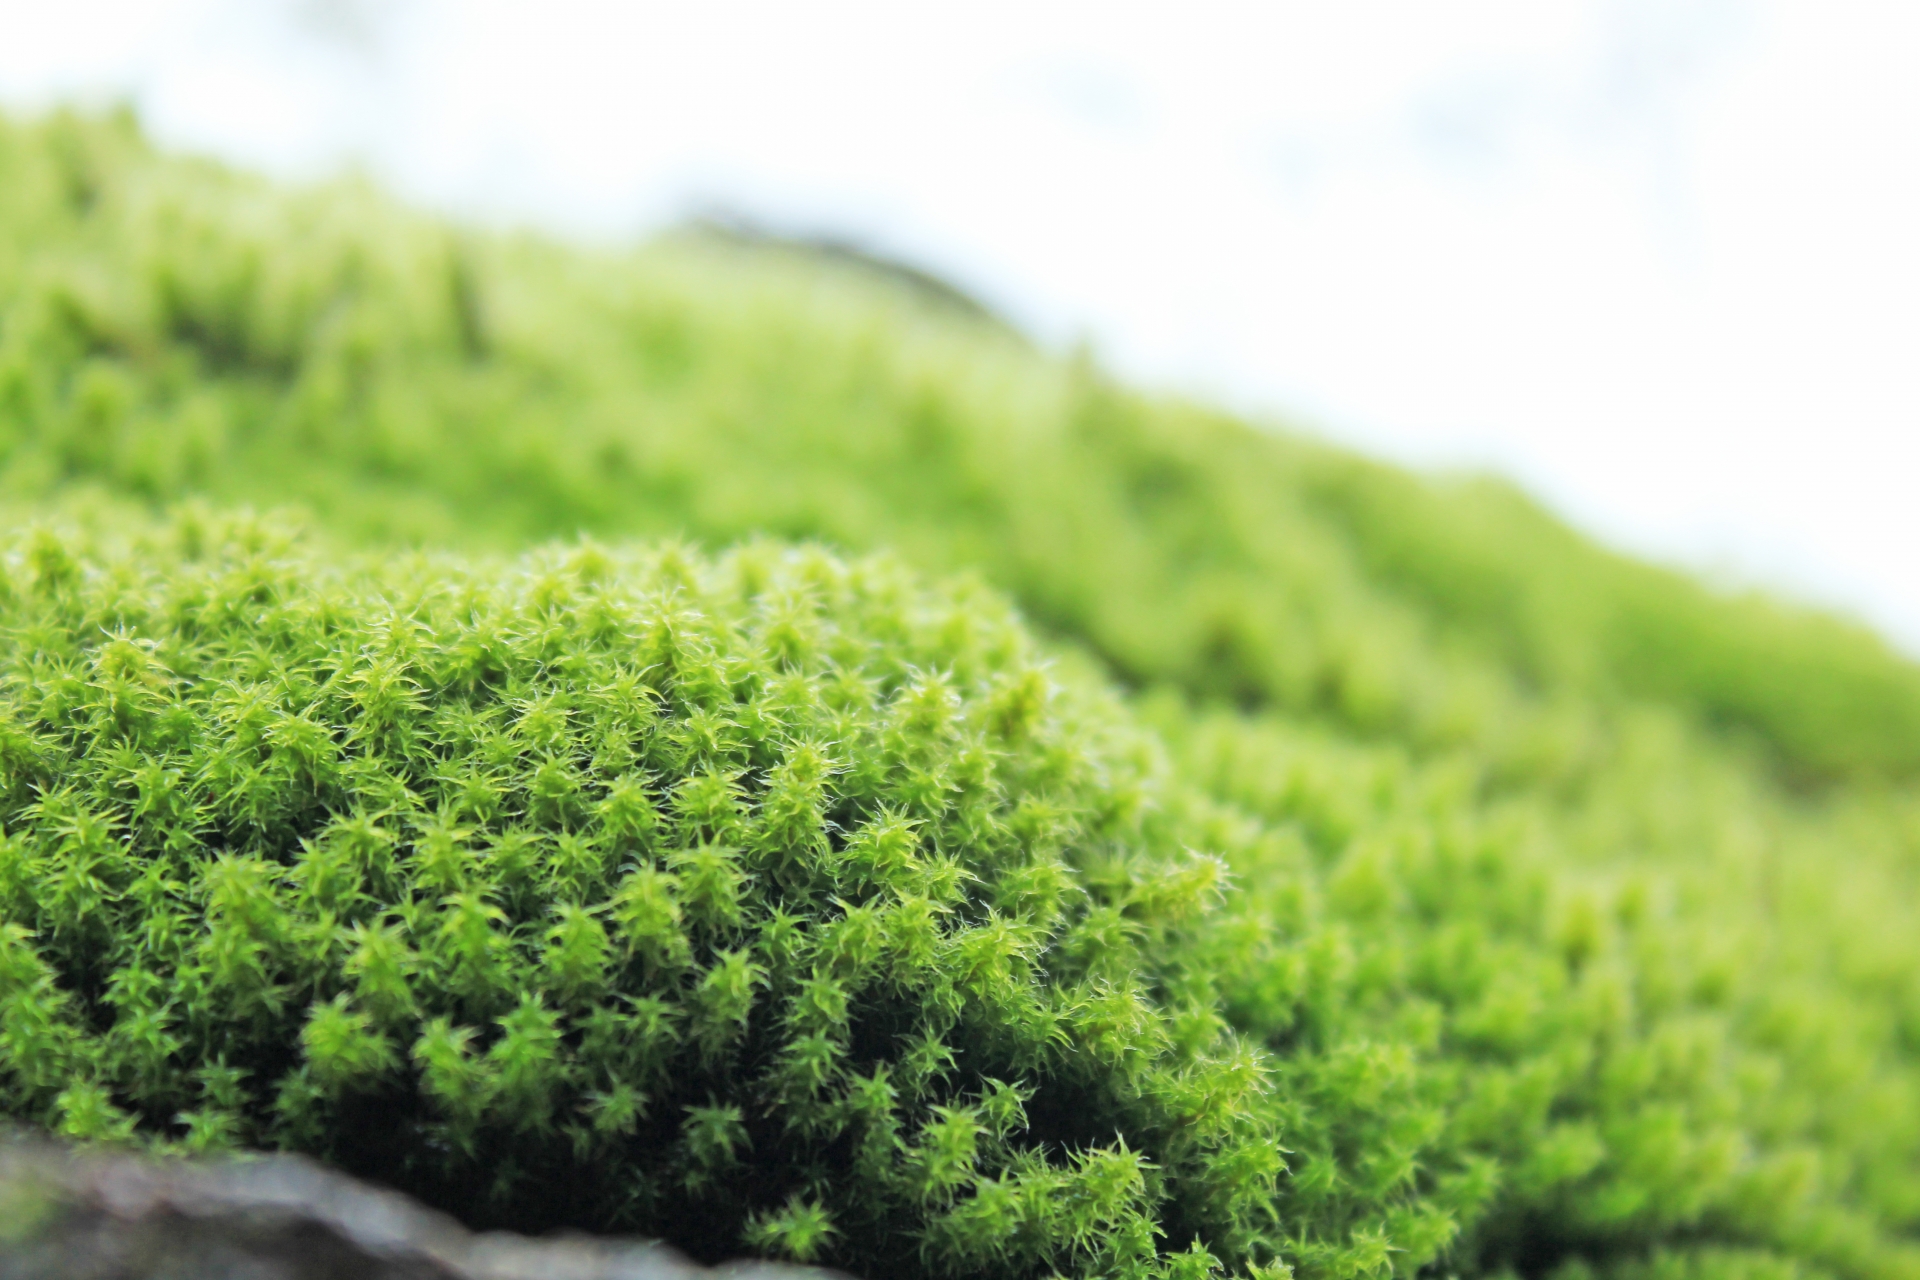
{"x": 769, "y": 901}
{"x": 1342, "y": 872}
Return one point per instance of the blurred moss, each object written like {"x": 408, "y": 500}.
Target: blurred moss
{"x": 168, "y": 328}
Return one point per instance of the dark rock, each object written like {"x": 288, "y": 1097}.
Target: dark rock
{"x": 848, "y": 254}
{"x": 95, "y": 1215}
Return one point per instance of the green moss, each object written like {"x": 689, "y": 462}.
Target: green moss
{"x": 766, "y": 902}
{"x": 170, "y": 329}
{"x": 1571, "y": 923}
{"x": 1668, "y": 1009}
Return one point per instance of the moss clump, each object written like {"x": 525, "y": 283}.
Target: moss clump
{"x": 765, "y": 903}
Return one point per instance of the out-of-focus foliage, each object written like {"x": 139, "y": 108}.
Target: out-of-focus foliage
{"x": 1574, "y": 918}
{"x": 168, "y": 328}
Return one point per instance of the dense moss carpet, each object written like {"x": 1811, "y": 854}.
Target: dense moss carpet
{"x": 1319, "y": 867}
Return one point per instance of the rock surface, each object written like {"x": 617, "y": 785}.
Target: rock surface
{"x": 70, "y": 1215}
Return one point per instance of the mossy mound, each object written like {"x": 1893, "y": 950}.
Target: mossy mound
{"x": 762, "y": 903}
{"x": 1572, "y": 916}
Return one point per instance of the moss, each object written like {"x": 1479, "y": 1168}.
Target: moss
{"x": 767, "y": 902}
{"x": 1352, "y": 873}
{"x": 187, "y": 331}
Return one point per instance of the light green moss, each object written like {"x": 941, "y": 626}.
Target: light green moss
{"x": 767, "y": 902}
{"x": 169, "y": 329}
{"x": 1572, "y": 923}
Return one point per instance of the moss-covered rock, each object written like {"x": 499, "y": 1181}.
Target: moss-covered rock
{"x": 1571, "y": 923}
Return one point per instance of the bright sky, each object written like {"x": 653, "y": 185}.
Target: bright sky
{"x": 1660, "y": 261}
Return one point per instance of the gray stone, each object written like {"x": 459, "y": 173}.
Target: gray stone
{"x": 92, "y": 1215}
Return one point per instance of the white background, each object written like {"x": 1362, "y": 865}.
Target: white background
{"x": 1659, "y": 261}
